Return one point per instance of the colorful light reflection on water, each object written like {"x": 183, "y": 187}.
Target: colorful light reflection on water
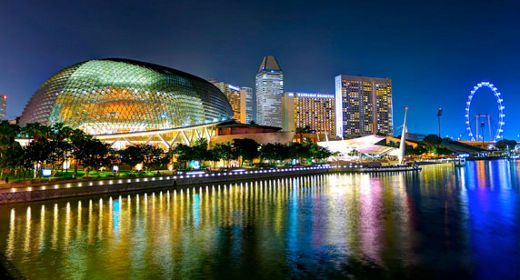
{"x": 444, "y": 221}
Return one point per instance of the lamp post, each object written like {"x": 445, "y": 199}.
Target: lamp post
{"x": 439, "y": 114}
{"x": 482, "y": 125}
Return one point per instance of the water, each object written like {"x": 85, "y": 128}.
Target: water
{"x": 443, "y": 222}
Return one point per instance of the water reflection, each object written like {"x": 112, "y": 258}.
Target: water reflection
{"x": 443, "y": 221}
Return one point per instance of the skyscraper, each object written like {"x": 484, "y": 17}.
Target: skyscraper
{"x": 247, "y": 103}
{"x": 240, "y": 98}
{"x": 3, "y": 107}
{"x": 363, "y": 106}
{"x": 269, "y": 91}
{"x": 315, "y": 110}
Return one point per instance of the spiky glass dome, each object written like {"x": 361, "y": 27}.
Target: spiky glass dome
{"x": 119, "y": 95}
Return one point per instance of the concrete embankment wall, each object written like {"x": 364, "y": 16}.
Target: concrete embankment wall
{"x": 96, "y": 189}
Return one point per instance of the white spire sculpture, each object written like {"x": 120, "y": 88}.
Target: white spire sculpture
{"x": 402, "y": 146}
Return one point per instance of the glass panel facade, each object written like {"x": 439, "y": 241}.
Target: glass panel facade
{"x": 115, "y": 96}
{"x": 269, "y": 92}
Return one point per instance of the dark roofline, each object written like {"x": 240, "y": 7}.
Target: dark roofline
{"x": 233, "y": 123}
{"x": 361, "y": 77}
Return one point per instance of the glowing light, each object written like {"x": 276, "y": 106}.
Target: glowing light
{"x": 501, "y": 108}
{"x": 46, "y": 172}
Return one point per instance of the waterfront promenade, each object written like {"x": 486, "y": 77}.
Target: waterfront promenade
{"x": 114, "y": 185}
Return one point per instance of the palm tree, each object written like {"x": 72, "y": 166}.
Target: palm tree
{"x": 35, "y": 131}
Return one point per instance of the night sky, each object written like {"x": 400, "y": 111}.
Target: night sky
{"x": 434, "y": 51}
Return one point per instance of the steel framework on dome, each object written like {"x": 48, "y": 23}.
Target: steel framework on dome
{"x": 166, "y": 138}
{"x": 501, "y": 107}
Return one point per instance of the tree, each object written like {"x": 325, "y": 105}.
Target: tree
{"x": 318, "y": 152}
{"x": 432, "y": 142}
{"x": 354, "y": 153}
{"x": 11, "y": 152}
{"x": 13, "y": 158}
{"x": 200, "y": 150}
{"x": 303, "y": 130}
{"x": 184, "y": 154}
{"x": 432, "y": 139}
{"x": 299, "y": 151}
{"x": 50, "y": 145}
{"x": 38, "y": 150}
{"x": 132, "y": 155}
{"x": 268, "y": 152}
{"x": 36, "y": 155}
{"x": 274, "y": 151}
{"x": 60, "y": 144}
{"x": 511, "y": 145}
{"x": 35, "y": 131}
{"x": 154, "y": 157}
{"x": 419, "y": 150}
{"x": 506, "y": 145}
{"x": 224, "y": 152}
{"x": 90, "y": 152}
{"x": 150, "y": 156}
{"x": 246, "y": 149}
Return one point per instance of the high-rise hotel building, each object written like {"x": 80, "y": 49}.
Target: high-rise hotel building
{"x": 269, "y": 91}
{"x": 3, "y": 107}
{"x": 315, "y": 110}
{"x": 363, "y": 106}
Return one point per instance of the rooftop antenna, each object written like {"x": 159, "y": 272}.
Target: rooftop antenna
{"x": 439, "y": 114}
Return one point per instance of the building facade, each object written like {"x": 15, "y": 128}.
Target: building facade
{"x": 240, "y": 99}
{"x": 313, "y": 110}
{"x": 363, "y": 106}
{"x": 3, "y": 107}
{"x": 110, "y": 96}
{"x": 269, "y": 92}
{"x": 234, "y": 97}
{"x": 248, "y": 104}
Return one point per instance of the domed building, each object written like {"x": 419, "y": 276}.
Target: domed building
{"x": 120, "y": 96}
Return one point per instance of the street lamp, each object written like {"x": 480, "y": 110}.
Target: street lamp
{"x": 439, "y": 114}
{"x": 482, "y": 125}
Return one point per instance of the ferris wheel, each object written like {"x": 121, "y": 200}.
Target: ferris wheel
{"x": 499, "y": 128}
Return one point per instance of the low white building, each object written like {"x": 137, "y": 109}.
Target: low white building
{"x": 351, "y": 149}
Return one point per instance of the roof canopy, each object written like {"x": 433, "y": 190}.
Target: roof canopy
{"x": 269, "y": 63}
